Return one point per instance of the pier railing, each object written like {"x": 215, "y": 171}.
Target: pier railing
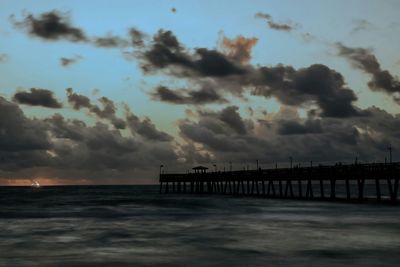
{"x": 319, "y": 182}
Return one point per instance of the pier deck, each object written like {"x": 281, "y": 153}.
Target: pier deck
{"x": 320, "y": 182}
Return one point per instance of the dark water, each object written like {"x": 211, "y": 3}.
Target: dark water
{"x": 135, "y": 226}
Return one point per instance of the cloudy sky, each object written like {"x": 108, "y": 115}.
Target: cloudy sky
{"x": 94, "y": 92}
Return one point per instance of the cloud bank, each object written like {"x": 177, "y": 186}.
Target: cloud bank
{"x": 115, "y": 143}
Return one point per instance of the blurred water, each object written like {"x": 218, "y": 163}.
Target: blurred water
{"x": 136, "y": 226}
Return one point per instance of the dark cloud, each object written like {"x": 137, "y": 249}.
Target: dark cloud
{"x": 166, "y": 39}
{"x": 18, "y": 133}
{"x": 263, "y": 16}
{"x": 204, "y": 95}
{"x": 316, "y": 85}
{"x": 52, "y": 26}
{"x": 166, "y": 51}
{"x": 288, "y": 127}
{"x": 287, "y": 27}
{"x": 227, "y": 121}
{"x": 145, "y": 128}
{"x": 276, "y": 137}
{"x": 212, "y": 141}
{"x": 213, "y": 63}
{"x": 37, "y": 97}
{"x": 327, "y": 87}
{"x": 239, "y": 48}
{"x": 110, "y": 41}
{"x": 232, "y": 118}
{"x": 71, "y": 149}
{"x": 78, "y": 101}
{"x": 55, "y": 25}
{"x": 365, "y": 60}
{"x": 65, "y": 62}
{"x": 165, "y": 94}
{"x": 136, "y": 37}
{"x": 108, "y": 110}
{"x": 361, "y": 58}
{"x": 223, "y": 131}
{"x": 280, "y": 26}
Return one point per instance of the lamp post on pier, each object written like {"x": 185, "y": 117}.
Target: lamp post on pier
{"x": 161, "y": 166}
{"x": 390, "y": 153}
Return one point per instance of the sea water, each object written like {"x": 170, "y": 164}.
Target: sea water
{"x": 137, "y": 226}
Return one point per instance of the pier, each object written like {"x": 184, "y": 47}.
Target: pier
{"x": 319, "y": 182}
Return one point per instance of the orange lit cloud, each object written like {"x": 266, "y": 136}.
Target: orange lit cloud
{"x": 239, "y": 48}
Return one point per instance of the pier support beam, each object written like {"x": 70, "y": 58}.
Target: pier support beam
{"x": 289, "y": 188}
{"x": 348, "y": 193}
{"x": 300, "y": 189}
{"x": 396, "y": 189}
{"x": 321, "y": 186}
{"x": 263, "y": 187}
{"x": 333, "y": 188}
{"x": 393, "y": 189}
{"x": 360, "y": 185}
{"x": 243, "y": 189}
{"x": 257, "y": 187}
{"x": 309, "y": 190}
{"x": 270, "y": 188}
{"x": 378, "y": 190}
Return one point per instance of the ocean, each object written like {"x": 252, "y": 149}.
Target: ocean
{"x": 137, "y": 226}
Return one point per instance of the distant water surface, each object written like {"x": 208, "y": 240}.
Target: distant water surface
{"x": 136, "y": 226}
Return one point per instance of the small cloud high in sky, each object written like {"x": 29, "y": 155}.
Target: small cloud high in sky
{"x": 106, "y": 94}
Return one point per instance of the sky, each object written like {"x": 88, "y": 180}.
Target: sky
{"x": 101, "y": 93}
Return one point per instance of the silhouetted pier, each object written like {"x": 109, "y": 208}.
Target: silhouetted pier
{"x": 319, "y": 182}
